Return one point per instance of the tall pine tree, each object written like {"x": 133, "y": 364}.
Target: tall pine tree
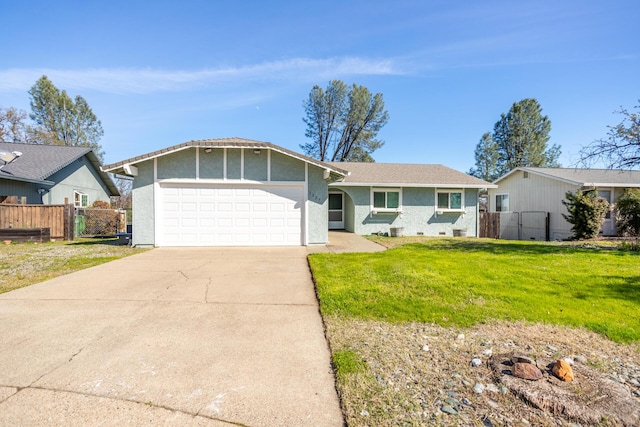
{"x": 61, "y": 120}
{"x": 520, "y": 138}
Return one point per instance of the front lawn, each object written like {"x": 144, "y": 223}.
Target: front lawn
{"x": 23, "y": 264}
{"x": 464, "y": 282}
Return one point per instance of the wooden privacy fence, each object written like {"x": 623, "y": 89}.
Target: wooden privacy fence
{"x": 58, "y": 218}
{"x": 490, "y": 225}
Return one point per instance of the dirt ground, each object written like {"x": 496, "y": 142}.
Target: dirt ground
{"x": 417, "y": 372}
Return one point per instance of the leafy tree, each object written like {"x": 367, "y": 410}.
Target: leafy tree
{"x": 586, "y": 212}
{"x": 13, "y": 127}
{"x": 343, "y": 122}
{"x": 628, "y": 215}
{"x": 520, "y": 139}
{"x": 61, "y": 120}
{"x": 486, "y": 159}
{"x": 621, "y": 147}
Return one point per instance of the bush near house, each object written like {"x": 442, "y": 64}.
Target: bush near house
{"x": 587, "y": 212}
{"x": 628, "y": 216}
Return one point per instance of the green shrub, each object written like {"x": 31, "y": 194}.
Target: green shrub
{"x": 628, "y": 216}
{"x": 586, "y": 213}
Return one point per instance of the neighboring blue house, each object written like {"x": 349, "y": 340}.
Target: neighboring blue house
{"x": 49, "y": 174}
{"x": 238, "y": 192}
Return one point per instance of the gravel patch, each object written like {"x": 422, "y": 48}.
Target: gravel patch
{"x": 423, "y": 374}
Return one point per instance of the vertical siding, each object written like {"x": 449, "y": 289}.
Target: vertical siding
{"x": 536, "y": 193}
{"x": 79, "y": 176}
{"x": 20, "y": 189}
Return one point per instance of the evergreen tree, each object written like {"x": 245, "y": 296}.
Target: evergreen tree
{"x": 486, "y": 159}
{"x": 61, "y": 121}
{"x": 519, "y": 139}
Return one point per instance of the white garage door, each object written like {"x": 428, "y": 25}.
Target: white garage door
{"x": 228, "y": 215}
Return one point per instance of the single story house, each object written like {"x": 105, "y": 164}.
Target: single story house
{"x": 49, "y": 174}
{"x": 529, "y": 189}
{"x": 420, "y": 199}
{"x": 239, "y": 192}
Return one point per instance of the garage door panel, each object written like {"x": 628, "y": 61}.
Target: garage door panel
{"x": 226, "y": 215}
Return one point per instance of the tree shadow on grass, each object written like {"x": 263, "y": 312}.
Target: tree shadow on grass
{"x": 626, "y": 288}
{"x": 110, "y": 241}
{"x": 499, "y": 247}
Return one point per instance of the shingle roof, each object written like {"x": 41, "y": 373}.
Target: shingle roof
{"x": 422, "y": 175}
{"x": 588, "y": 177}
{"x": 38, "y": 162}
{"x": 221, "y": 143}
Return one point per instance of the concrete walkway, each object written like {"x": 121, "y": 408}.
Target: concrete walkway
{"x": 343, "y": 241}
{"x": 180, "y": 336}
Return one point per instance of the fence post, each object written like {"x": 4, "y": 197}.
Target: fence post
{"x": 546, "y": 226}
{"x": 69, "y": 220}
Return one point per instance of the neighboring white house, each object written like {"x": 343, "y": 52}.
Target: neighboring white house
{"x": 528, "y": 190}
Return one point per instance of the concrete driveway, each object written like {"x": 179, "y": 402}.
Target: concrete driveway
{"x": 173, "y": 336}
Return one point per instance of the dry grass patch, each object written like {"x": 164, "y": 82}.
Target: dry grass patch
{"x": 406, "y": 383}
{"x": 23, "y": 264}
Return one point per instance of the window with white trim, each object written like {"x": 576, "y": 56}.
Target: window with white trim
{"x": 386, "y": 199}
{"x": 450, "y": 200}
{"x": 80, "y": 200}
{"x": 502, "y": 203}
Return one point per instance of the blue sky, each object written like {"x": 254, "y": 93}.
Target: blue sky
{"x": 164, "y": 72}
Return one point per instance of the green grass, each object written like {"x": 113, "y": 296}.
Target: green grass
{"x": 24, "y": 264}
{"x": 347, "y": 362}
{"x": 462, "y": 282}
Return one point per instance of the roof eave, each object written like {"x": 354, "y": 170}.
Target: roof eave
{"x": 244, "y": 144}
{"x": 29, "y": 180}
{"x": 410, "y": 184}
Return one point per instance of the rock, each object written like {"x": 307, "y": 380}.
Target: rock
{"x": 552, "y": 348}
{"x": 525, "y": 421}
{"x": 492, "y": 388}
{"x": 522, "y": 359}
{"x": 452, "y": 393}
{"x": 580, "y": 359}
{"x": 466, "y": 401}
{"x": 466, "y": 383}
{"x": 425, "y": 348}
{"x": 448, "y": 410}
{"x": 476, "y": 362}
{"x": 486, "y": 422}
{"x": 460, "y": 337}
{"x": 526, "y": 371}
{"x": 562, "y": 370}
{"x": 478, "y": 388}
{"x": 493, "y": 404}
{"x": 568, "y": 360}
{"x": 503, "y": 389}
{"x": 634, "y": 382}
{"x": 487, "y": 353}
{"x": 364, "y": 413}
{"x": 452, "y": 401}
